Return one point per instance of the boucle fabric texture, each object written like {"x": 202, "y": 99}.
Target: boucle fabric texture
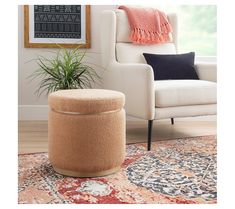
{"x": 86, "y": 144}
{"x": 86, "y": 100}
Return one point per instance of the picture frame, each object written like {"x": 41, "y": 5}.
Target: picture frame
{"x": 56, "y": 26}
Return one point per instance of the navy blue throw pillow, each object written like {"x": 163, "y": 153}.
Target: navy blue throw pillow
{"x": 172, "y": 66}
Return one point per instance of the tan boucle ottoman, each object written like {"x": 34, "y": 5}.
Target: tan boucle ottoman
{"x": 86, "y": 130}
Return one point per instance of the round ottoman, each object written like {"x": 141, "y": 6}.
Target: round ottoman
{"x": 86, "y": 130}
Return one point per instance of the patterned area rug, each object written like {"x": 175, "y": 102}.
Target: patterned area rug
{"x": 175, "y": 171}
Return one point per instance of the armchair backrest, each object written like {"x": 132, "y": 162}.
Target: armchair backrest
{"x": 116, "y": 45}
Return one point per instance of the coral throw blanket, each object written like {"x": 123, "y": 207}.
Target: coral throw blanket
{"x": 148, "y": 25}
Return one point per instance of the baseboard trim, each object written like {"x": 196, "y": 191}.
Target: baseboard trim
{"x": 33, "y": 112}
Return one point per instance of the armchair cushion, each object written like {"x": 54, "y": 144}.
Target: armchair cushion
{"x": 172, "y": 93}
{"x": 172, "y": 66}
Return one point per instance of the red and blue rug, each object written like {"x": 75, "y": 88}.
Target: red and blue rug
{"x": 175, "y": 171}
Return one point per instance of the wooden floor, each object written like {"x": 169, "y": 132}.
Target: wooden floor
{"x": 33, "y": 134}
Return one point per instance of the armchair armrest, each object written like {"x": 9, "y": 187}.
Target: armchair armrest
{"x": 207, "y": 71}
{"x": 136, "y": 81}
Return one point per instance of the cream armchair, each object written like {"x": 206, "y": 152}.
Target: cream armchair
{"x": 126, "y": 71}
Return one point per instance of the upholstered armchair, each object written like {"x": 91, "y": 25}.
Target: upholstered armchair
{"x": 126, "y": 71}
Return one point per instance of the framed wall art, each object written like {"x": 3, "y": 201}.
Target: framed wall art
{"x": 54, "y": 26}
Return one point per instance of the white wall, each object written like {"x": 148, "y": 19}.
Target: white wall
{"x": 32, "y": 107}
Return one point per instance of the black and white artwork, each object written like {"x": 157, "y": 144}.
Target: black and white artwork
{"x": 57, "y": 24}
{"x": 57, "y": 21}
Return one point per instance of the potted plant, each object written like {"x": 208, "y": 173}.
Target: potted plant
{"x": 66, "y": 70}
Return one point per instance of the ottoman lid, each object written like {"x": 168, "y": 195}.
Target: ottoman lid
{"x": 86, "y": 100}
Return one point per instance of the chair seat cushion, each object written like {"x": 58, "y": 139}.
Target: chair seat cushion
{"x": 171, "y": 93}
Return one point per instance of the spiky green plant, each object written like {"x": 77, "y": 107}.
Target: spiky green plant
{"x": 66, "y": 70}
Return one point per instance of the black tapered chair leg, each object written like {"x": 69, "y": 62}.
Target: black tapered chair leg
{"x": 150, "y": 125}
{"x": 172, "y": 121}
